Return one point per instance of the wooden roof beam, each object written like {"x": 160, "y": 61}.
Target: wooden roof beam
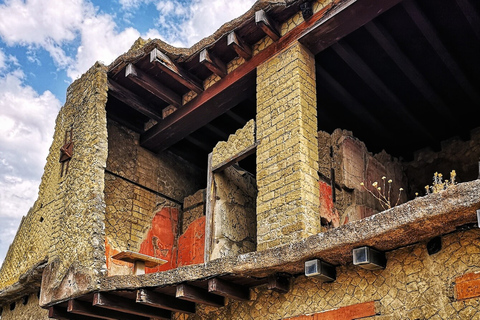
{"x": 117, "y": 303}
{"x": 132, "y": 100}
{"x": 199, "y": 295}
{"x": 267, "y": 25}
{"x": 160, "y": 300}
{"x": 239, "y": 45}
{"x": 213, "y": 63}
{"x": 59, "y": 313}
{"x": 86, "y": 309}
{"x": 227, "y": 289}
{"x": 153, "y": 86}
{"x": 175, "y": 71}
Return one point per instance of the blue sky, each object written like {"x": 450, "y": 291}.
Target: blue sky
{"x": 45, "y": 45}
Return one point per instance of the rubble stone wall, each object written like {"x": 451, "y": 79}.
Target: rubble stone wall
{"x": 138, "y": 185}
{"x": 287, "y": 153}
{"x": 25, "y": 311}
{"x": 414, "y": 285}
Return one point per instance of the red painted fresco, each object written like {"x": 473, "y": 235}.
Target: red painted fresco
{"x": 191, "y": 244}
{"x": 327, "y": 209}
{"x": 467, "y": 286}
{"x": 356, "y": 311}
{"x": 160, "y": 239}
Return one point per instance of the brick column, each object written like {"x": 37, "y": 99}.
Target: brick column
{"x": 287, "y": 154}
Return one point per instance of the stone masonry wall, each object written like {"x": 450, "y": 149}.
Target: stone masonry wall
{"x": 287, "y": 154}
{"x": 414, "y": 285}
{"x": 25, "y": 311}
{"x": 138, "y": 185}
{"x": 65, "y": 224}
{"x": 351, "y": 163}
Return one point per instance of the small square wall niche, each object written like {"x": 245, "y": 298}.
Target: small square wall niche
{"x": 369, "y": 258}
{"x": 321, "y": 270}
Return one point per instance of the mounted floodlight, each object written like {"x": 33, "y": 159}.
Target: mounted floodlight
{"x": 321, "y": 270}
{"x": 369, "y": 258}
{"x": 478, "y": 218}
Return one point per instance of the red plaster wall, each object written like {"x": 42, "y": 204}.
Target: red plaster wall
{"x": 327, "y": 210}
{"x": 191, "y": 244}
{"x": 356, "y": 311}
{"x": 467, "y": 286}
{"x": 160, "y": 239}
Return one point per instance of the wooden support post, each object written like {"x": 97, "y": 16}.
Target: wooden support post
{"x": 132, "y": 100}
{"x": 213, "y": 63}
{"x": 86, "y": 309}
{"x": 267, "y": 25}
{"x": 159, "y": 300}
{"x": 153, "y": 86}
{"x": 199, "y": 295}
{"x": 279, "y": 283}
{"x": 171, "y": 68}
{"x": 240, "y": 47}
{"x": 117, "y": 303}
{"x": 228, "y": 289}
{"x": 209, "y": 206}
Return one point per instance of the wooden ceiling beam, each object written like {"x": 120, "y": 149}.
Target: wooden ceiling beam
{"x": 175, "y": 71}
{"x": 199, "y": 295}
{"x": 239, "y": 45}
{"x": 350, "y": 57}
{"x": 132, "y": 100}
{"x": 121, "y": 304}
{"x": 216, "y": 131}
{"x": 471, "y": 15}
{"x": 86, "y": 309}
{"x": 214, "y": 64}
{"x": 279, "y": 283}
{"x": 149, "y": 83}
{"x": 59, "y": 313}
{"x": 263, "y": 21}
{"x": 228, "y": 289}
{"x": 431, "y": 35}
{"x": 160, "y": 300}
{"x": 235, "y": 117}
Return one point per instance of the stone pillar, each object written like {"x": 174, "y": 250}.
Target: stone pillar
{"x": 287, "y": 155}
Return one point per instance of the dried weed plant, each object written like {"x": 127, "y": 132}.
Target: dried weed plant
{"x": 439, "y": 184}
{"x": 383, "y": 195}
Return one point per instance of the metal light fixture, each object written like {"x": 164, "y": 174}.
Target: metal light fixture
{"x": 321, "y": 270}
{"x": 369, "y": 258}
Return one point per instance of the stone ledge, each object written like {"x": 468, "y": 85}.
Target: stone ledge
{"x": 28, "y": 283}
{"x": 417, "y": 220}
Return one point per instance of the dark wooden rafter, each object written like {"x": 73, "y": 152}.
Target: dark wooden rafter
{"x": 214, "y": 64}
{"x": 149, "y": 83}
{"x": 317, "y": 33}
{"x": 228, "y": 289}
{"x": 175, "y": 71}
{"x": 132, "y": 100}
{"x": 121, "y": 304}
{"x": 160, "y": 300}
{"x": 239, "y": 45}
{"x": 60, "y": 313}
{"x": 431, "y": 35}
{"x": 279, "y": 283}
{"x": 86, "y": 309}
{"x": 199, "y": 295}
{"x": 392, "y": 49}
{"x": 199, "y": 143}
{"x": 349, "y": 102}
{"x": 357, "y": 64}
{"x": 235, "y": 117}
{"x": 218, "y": 132}
{"x": 471, "y": 14}
{"x": 268, "y": 26}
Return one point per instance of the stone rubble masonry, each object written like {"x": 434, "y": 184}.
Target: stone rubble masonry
{"x": 287, "y": 153}
{"x": 239, "y": 141}
{"x": 193, "y": 208}
{"x": 66, "y": 222}
{"x": 25, "y": 311}
{"x": 414, "y": 285}
{"x": 354, "y": 164}
{"x": 134, "y": 197}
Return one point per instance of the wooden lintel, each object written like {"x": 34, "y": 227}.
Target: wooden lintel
{"x": 160, "y": 300}
{"x": 213, "y": 63}
{"x": 117, "y": 303}
{"x": 279, "y": 283}
{"x": 59, "y": 313}
{"x": 235, "y": 158}
{"x": 267, "y": 25}
{"x": 175, "y": 71}
{"x": 223, "y": 95}
{"x": 228, "y": 289}
{"x": 132, "y": 100}
{"x": 199, "y": 295}
{"x": 152, "y": 85}
{"x": 86, "y": 309}
{"x": 240, "y": 47}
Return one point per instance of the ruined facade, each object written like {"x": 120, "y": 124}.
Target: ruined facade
{"x": 198, "y": 183}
